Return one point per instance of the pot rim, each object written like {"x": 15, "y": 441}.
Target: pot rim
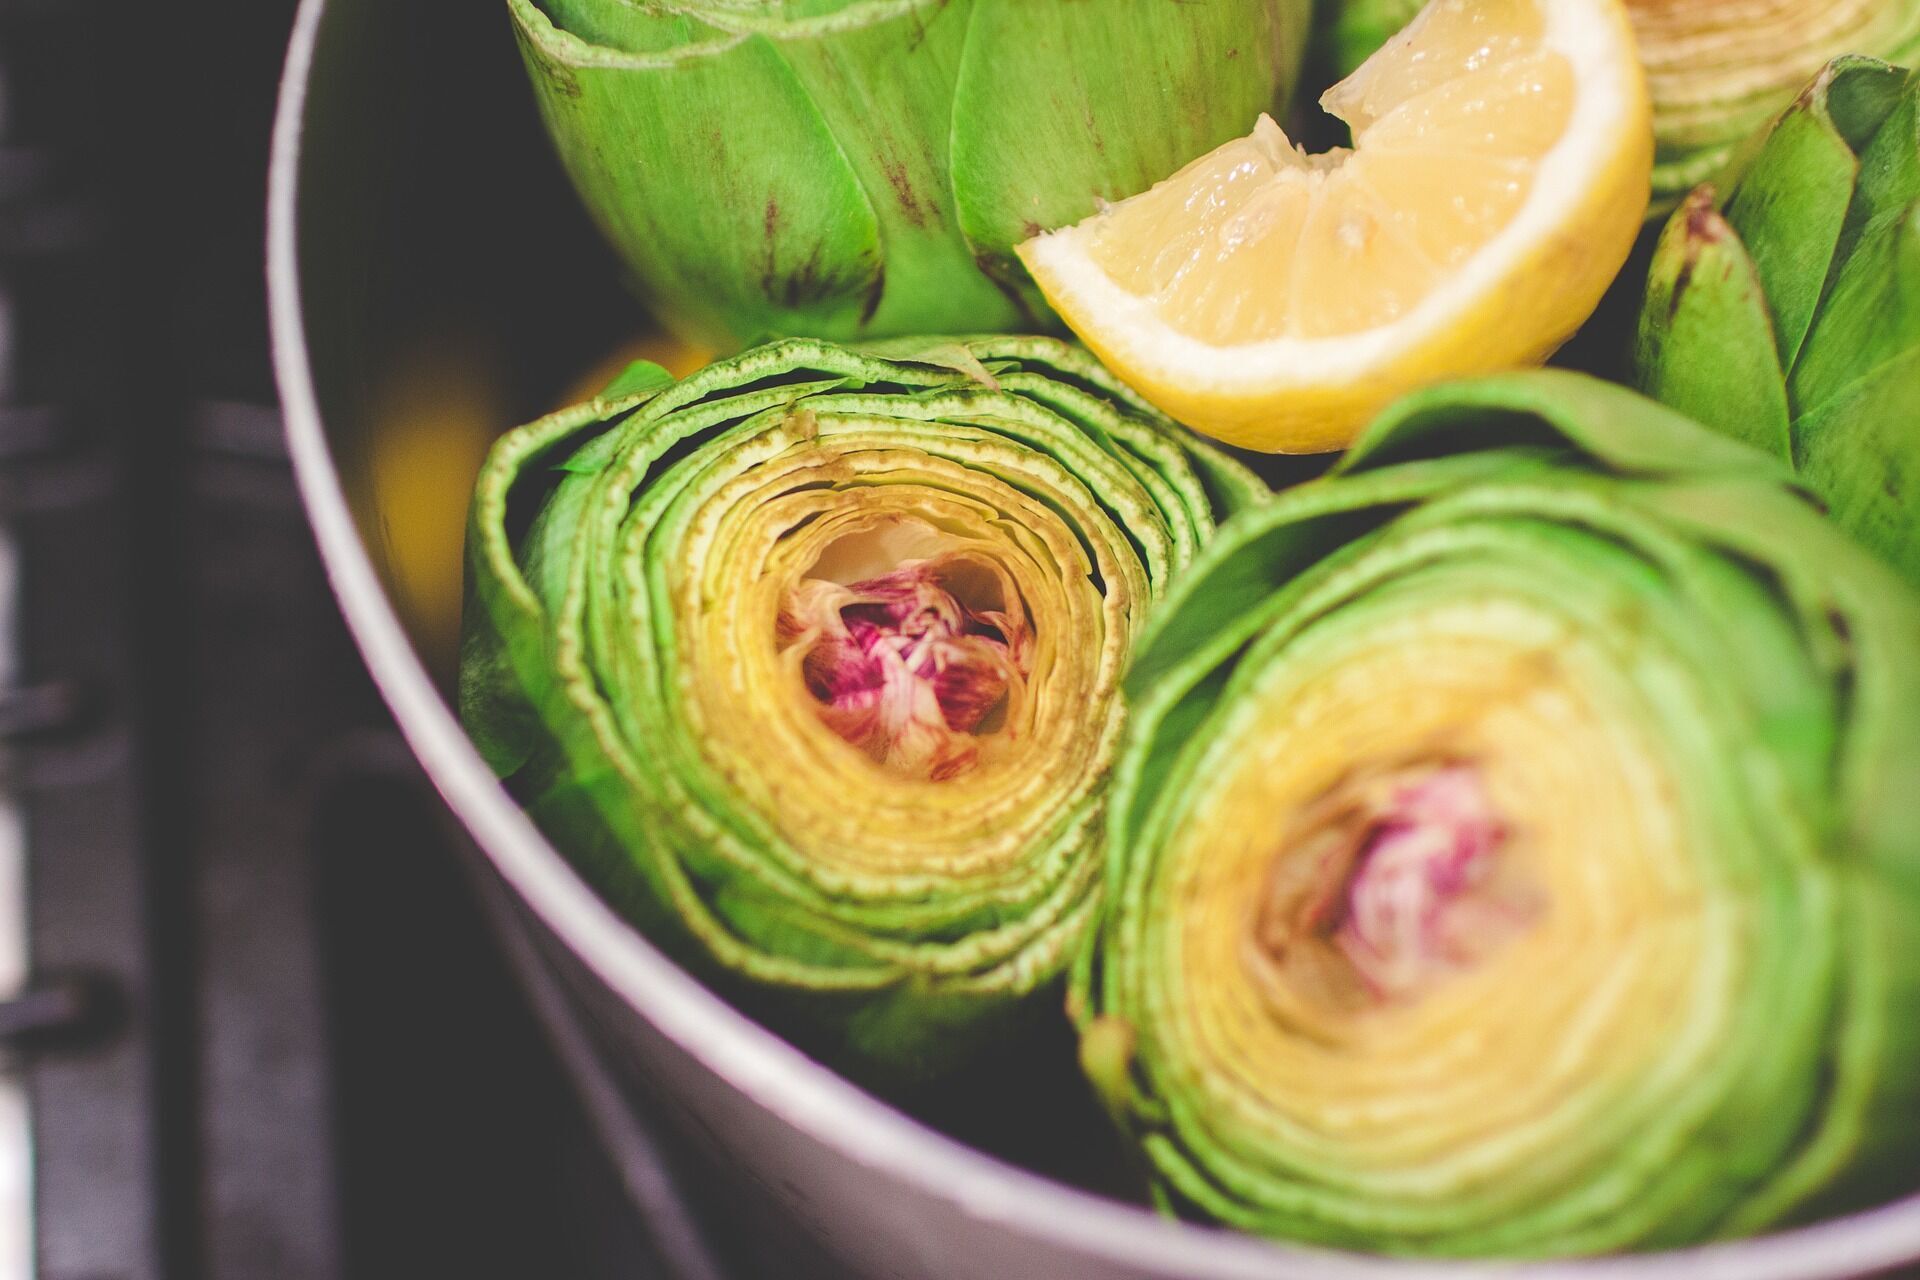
{"x": 803, "y": 1093}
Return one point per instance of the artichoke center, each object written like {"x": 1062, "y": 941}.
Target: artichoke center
{"x": 915, "y": 666}
{"x": 1388, "y": 885}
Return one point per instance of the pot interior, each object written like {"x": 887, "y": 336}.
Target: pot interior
{"x": 453, "y": 287}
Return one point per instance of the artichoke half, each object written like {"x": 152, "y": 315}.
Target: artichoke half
{"x": 1717, "y": 69}
{"x": 811, "y": 660}
{"x": 1786, "y": 312}
{"x": 861, "y": 168}
{"x": 1513, "y": 851}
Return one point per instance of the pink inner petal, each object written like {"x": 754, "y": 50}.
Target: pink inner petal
{"x": 1424, "y": 896}
{"x": 903, "y": 668}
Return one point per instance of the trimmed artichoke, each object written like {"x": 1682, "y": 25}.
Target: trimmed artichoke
{"x": 860, "y": 168}
{"x": 1513, "y": 851}
{"x": 1787, "y": 314}
{"x": 1717, "y": 69}
{"x": 811, "y": 661}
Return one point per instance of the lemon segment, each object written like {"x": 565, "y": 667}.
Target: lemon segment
{"x": 1500, "y": 170}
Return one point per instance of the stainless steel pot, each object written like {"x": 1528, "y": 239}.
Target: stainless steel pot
{"x": 410, "y": 213}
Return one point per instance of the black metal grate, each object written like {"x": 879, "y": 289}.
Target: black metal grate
{"x": 85, "y": 1024}
{"x": 268, "y": 1038}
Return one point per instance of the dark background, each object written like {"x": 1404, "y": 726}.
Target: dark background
{"x": 293, "y": 1053}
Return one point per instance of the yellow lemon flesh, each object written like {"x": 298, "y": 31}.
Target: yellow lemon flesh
{"x": 1500, "y": 172}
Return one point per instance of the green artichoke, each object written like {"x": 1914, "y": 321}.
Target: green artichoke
{"x": 811, "y": 661}
{"x": 1787, "y": 313}
{"x": 862, "y": 168}
{"x": 1717, "y": 69}
{"x": 1513, "y": 852}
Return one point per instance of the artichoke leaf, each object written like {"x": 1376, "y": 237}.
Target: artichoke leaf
{"x": 1855, "y": 389}
{"x": 1889, "y": 179}
{"x": 1871, "y": 475}
{"x": 718, "y": 248}
{"x": 1819, "y": 234}
{"x": 1706, "y": 341}
{"x": 1792, "y": 198}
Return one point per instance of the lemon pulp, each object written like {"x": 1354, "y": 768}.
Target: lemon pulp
{"x": 1500, "y": 169}
{"x": 1449, "y": 134}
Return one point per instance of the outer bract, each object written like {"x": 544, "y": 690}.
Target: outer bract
{"x": 1513, "y": 851}
{"x": 846, "y": 168}
{"x": 1787, "y": 313}
{"x": 811, "y": 661}
{"x": 1717, "y": 69}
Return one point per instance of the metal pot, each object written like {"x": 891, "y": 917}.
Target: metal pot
{"x": 414, "y": 210}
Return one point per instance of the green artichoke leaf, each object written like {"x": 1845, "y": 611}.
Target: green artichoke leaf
{"x": 1706, "y": 338}
{"x": 887, "y": 90}
{"x": 1869, "y": 318}
{"x": 1856, "y": 388}
{"x": 811, "y": 661}
{"x": 1506, "y": 855}
{"x": 1819, "y": 240}
{"x": 1857, "y": 94}
{"x": 758, "y": 230}
{"x": 861, "y": 168}
{"x": 642, "y": 377}
{"x": 1556, "y": 409}
{"x": 1793, "y": 195}
{"x": 1889, "y": 179}
{"x": 1872, "y": 478}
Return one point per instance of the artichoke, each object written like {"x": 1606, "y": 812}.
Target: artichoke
{"x": 1717, "y": 69}
{"x": 862, "y": 168}
{"x": 1787, "y": 313}
{"x": 811, "y": 659}
{"x": 1513, "y": 850}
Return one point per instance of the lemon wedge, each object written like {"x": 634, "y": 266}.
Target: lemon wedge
{"x": 1501, "y": 168}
